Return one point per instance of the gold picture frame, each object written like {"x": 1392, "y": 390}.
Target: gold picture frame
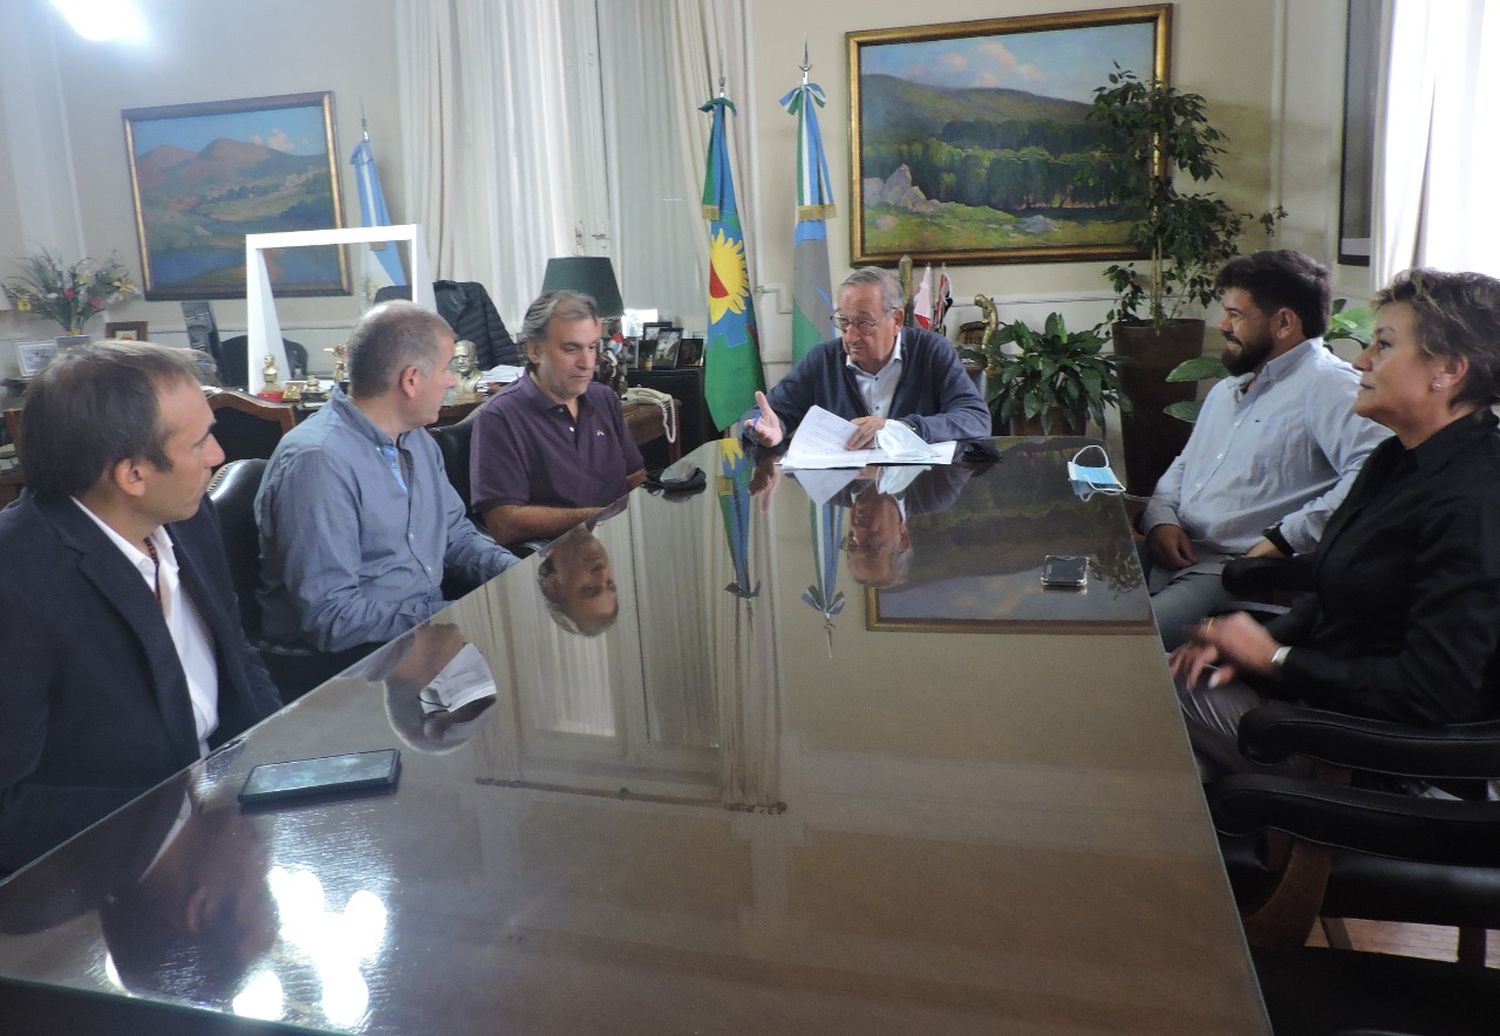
{"x": 204, "y": 175}
{"x": 951, "y": 160}
{"x": 126, "y": 330}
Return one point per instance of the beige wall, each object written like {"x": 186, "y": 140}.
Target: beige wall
{"x": 1270, "y": 69}
{"x": 197, "y": 50}
{"x": 1237, "y": 53}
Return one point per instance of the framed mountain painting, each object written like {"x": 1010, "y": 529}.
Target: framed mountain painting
{"x": 202, "y": 176}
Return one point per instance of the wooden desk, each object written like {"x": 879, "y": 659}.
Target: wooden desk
{"x": 958, "y": 804}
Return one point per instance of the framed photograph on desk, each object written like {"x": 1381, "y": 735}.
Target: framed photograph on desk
{"x": 126, "y": 330}
{"x": 666, "y": 348}
{"x": 31, "y": 357}
{"x": 689, "y": 352}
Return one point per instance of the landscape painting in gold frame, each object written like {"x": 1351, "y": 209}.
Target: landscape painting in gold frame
{"x": 968, "y": 139}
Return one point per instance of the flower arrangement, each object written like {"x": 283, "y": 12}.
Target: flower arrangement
{"x": 70, "y": 295}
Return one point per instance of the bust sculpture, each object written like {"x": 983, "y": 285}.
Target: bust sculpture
{"x": 465, "y": 366}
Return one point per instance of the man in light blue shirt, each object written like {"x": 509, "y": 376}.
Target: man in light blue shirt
{"x": 358, "y": 521}
{"x": 1275, "y": 448}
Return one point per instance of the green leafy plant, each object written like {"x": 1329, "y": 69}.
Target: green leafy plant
{"x": 1153, "y": 131}
{"x": 71, "y": 295}
{"x": 1353, "y": 325}
{"x": 1350, "y": 325}
{"x": 1055, "y": 371}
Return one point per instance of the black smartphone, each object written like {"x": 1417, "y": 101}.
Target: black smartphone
{"x": 1066, "y": 570}
{"x": 325, "y": 775}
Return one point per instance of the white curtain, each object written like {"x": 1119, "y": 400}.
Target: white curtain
{"x": 661, "y": 61}
{"x": 485, "y": 117}
{"x": 1436, "y": 149}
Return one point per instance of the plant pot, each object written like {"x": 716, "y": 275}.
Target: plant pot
{"x": 1063, "y": 423}
{"x": 1152, "y": 438}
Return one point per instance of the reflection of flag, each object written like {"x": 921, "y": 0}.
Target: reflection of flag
{"x": 733, "y": 488}
{"x": 812, "y": 298}
{"x": 373, "y": 213}
{"x": 824, "y": 595}
{"x": 922, "y": 304}
{"x": 731, "y": 359}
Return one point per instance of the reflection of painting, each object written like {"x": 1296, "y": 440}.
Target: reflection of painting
{"x": 205, "y": 175}
{"x": 977, "y": 567}
{"x": 970, "y": 140}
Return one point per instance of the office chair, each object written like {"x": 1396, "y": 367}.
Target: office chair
{"x": 1313, "y": 991}
{"x": 294, "y": 671}
{"x": 454, "y": 442}
{"x": 467, "y": 307}
{"x": 247, "y": 426}
{"x": 1357, "y": 851}
{"x": 232, "y": 369}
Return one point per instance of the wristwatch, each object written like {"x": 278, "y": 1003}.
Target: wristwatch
{"x": 1278, "y": 657}
{"x": 1272, "y": 532}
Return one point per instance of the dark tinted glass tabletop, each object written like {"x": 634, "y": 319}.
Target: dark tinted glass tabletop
{"x": 794, "y": 752}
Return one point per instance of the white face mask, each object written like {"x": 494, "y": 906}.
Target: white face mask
{"x": 1096, "y": 479}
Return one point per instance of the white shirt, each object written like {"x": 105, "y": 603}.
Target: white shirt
{"x": 1282, "y": 445}
{"x": 195, "y": 645}
{"x": 878, "y": 389}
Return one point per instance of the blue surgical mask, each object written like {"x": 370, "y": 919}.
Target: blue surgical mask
{"x": 1097, "y": 479}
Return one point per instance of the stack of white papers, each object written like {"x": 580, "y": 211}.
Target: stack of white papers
{"x": 501, "y": 374}
{"x": 820, "y": 438}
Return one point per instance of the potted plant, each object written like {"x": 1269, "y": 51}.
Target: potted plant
{"x": 1153, "y": 132}
{"x": 71, "y": 295}
{"x": 1057, "y": 379}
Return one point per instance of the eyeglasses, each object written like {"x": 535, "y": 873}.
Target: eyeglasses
{"x": 864, "y": 325}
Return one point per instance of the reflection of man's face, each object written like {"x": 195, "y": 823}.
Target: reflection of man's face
{"x": 203, "y": 908}
{"x": 580, "y": 581}
{"x": 878, "y": 542}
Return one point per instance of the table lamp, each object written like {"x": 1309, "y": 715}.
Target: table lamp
{"x": 591, "y": 274}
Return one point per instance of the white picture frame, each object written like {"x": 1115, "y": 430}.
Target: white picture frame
{"x": 264, "y": 330}
{"x": 31, "y": 357}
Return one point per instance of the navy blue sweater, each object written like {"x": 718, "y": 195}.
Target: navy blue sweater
{"x": 934, "y": 396}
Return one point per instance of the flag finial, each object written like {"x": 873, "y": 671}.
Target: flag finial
{"x": 364, "y": 129}
{"x": 806, "y": 65}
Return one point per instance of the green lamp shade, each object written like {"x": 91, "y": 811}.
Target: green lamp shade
{"x": 591, "y": 274}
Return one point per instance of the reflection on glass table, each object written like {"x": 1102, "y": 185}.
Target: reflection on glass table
{"x": 735, "y": 807}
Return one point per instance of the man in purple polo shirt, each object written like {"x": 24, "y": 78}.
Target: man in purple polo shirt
{"x": 553, "y": 448}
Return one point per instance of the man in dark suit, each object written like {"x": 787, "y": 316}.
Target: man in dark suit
{"x": 122, "y": 658}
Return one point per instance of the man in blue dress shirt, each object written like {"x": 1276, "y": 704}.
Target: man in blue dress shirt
{"x": 1275, "y": 448}
{"x": 358, "y": 521}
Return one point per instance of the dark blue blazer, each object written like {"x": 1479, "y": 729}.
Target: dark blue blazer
{"x": 94, "y": 706}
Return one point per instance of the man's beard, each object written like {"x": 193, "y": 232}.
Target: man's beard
{"x": 1249, "y": 356}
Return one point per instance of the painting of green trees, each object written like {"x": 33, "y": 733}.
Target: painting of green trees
{"x": 972, "y": 142}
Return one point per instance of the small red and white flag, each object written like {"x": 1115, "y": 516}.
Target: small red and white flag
{"x": 921, "y": 303}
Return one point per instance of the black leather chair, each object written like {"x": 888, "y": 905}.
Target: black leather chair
{"x": 294, "y": 672}
{"x": 1361, "y": 851}
{"x": 467, "y": 307}
{"x": 454, "y": 442}
{"x": 1313, "y": 991}
{"x": 233, "y": 490}
{"x": 233, "y": 371}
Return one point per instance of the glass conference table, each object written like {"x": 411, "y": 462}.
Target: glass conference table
{"x": 789, "y": 753}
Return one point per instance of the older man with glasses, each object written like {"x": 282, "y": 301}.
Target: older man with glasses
{"x": 876, "y": 371}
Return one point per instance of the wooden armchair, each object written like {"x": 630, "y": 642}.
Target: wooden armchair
{"x": 248, "y": 427}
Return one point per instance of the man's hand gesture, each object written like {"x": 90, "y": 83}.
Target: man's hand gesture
{"x": 766, "y": 429}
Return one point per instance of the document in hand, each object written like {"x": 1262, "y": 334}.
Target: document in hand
{"x": 820, "y": 438}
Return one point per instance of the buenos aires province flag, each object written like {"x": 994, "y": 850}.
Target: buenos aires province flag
{"x": 731, "y": 357}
